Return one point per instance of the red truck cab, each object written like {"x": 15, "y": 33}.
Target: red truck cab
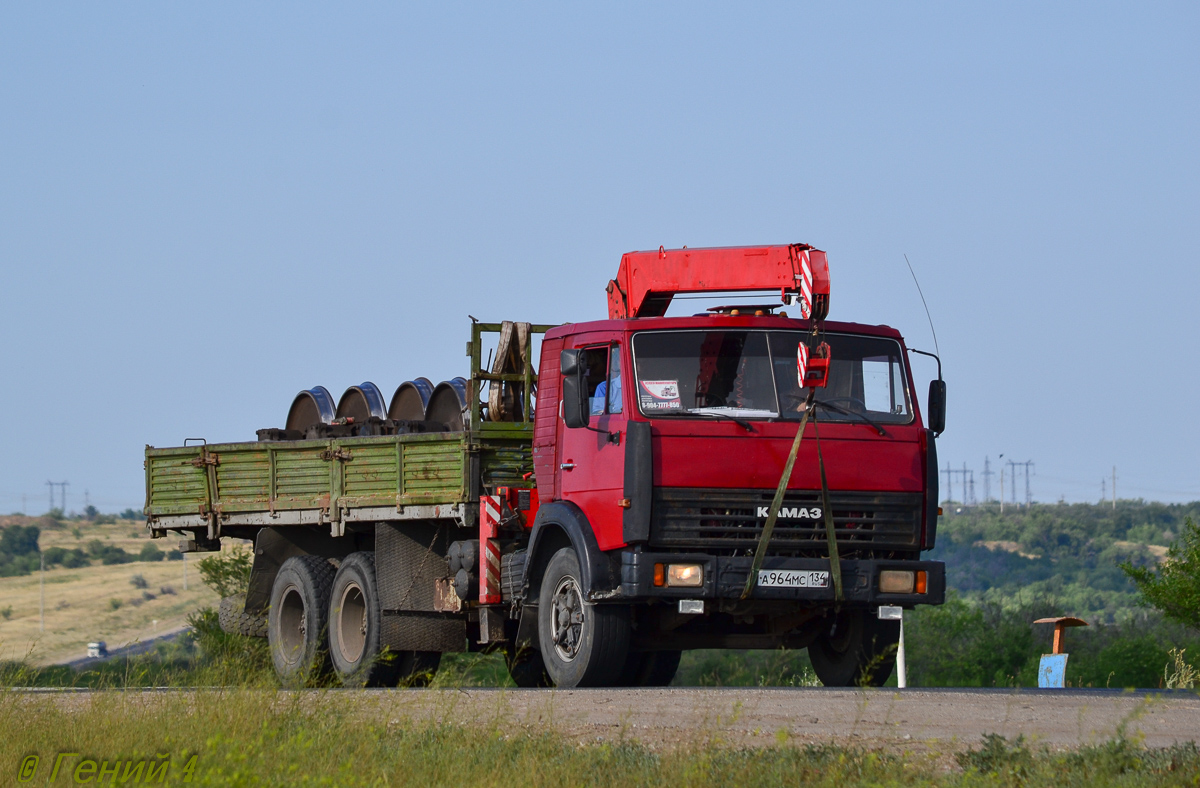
{"x": 661, "y": 491}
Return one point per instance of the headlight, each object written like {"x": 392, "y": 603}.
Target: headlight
{"x": 895, "y": 581}
{"x": 685, "y": 575}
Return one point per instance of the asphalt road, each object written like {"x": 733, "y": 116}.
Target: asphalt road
{"x": 128, "y": 650}
{"x": 934, "y": 720}
{"x": 942, "y": 720}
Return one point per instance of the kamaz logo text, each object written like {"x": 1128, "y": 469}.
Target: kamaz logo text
{"x": 793, "y": 514}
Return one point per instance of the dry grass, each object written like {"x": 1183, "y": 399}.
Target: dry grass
{"x": 78, "y": 607}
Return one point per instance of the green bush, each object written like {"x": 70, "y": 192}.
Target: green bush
{"x": 107, "y": 553}
{"x": 227, "y": 573}
{"x": 150, "y": 552}
{"x": 964, "y": 644}
{"x": 1174, "y": 587}
{"x": 19, "y": 539}
{"x": 17, "y": 565}
{"x": 71, "y": 559}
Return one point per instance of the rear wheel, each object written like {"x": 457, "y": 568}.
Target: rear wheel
{"x": 856, "y": 650}
{"x": 582, "y": 644}
{"x": 298, "y": 620}
{"x": 354, "y": 626}
{"x": 650, "y": 668}
{"x": 234, "y": 619}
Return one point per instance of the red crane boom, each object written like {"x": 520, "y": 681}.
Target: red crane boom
{"x": 647, "y": 281}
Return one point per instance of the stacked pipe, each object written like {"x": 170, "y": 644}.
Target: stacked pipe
{"x": 463, "y": 558}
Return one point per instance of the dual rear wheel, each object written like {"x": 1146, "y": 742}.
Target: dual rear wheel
{"x": 325, "y": 620}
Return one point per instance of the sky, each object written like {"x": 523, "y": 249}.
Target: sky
{"x": 205, "y": 208}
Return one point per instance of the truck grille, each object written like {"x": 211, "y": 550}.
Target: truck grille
{"x": 728, "y": 522}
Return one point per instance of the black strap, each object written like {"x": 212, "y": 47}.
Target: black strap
{"x": 835, "y": 561}
{"x": 761, "y": 551}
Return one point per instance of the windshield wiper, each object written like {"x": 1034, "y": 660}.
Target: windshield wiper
{"x": 749, "y": 427}
{"x": 845, "y": 412}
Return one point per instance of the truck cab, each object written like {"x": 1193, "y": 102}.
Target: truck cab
{"x": 658, "y": 447}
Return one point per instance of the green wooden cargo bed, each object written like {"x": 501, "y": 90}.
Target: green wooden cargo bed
{"x": 363, "y": 479}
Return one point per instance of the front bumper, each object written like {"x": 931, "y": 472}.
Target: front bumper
{"x": 725, "y": 577}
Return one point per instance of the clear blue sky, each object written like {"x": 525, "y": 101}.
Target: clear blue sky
{"x": 207, "y": 207}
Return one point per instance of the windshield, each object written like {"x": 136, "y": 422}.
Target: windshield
{"x": 752, "y": 375}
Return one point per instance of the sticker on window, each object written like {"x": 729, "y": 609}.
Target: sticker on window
{"x": 660, "y": 395}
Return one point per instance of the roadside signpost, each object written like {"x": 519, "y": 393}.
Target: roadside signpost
{"x": 1052, "y": 671}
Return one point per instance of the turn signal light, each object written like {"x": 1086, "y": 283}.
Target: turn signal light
{"x": 895, "y": 581}
{"x": 685, "y": 575}
{"x": 922, "y": 582}
{"x": 660, "y": 575}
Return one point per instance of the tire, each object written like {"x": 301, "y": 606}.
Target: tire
{"x": 234, "y": 619}
{"x": 650, "y": 668}
{"x": 298, "y": 621}
{"x": 590, "y": 646}
{"x": 527, "y": 668}
{"x": 354, "y": 626}
{"x": 856, "y": 650}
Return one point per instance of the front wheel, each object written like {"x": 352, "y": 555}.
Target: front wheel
{"x": 582, "y": 644}
{"x": 297, "y": 622}
{"x": 855, "y": 650}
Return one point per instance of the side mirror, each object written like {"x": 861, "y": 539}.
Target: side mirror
{"x": 576, "y": 408}
{"x": 937, "y": 406}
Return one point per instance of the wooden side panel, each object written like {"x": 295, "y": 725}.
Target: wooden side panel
{"x": 388, "y": 471}
{"x": 176, "y": 486}
{"x": 432, "y": 471}
{"x": 371, "y": 475}
{"x": 302, "y": 477}
{"x": 505, "y": 465}
{"x": 243, "y": 474}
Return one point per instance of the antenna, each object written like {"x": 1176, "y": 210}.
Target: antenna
{"x": 927, "y": 315}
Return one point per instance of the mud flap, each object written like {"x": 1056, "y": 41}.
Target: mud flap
{"x": 409, "y": 558}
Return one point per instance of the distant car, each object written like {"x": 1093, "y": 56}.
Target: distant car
{"x": 99, "y": 649}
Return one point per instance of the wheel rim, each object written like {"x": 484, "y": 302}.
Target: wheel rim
{"x": 567, "y": 618}
{"x": 352, "y": 623}
{"x": 292, "y": 624}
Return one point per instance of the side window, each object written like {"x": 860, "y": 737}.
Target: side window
{"x": 596, "y": 359}
{"x": 614, "y": 380}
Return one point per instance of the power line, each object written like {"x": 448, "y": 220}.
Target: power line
{"x": 63, "y": 488}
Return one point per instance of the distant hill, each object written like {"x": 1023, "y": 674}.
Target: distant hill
{"x": 1068, "y": 552}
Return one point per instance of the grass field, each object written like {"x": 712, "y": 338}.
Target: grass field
{"x": 253, "y": 737}
{"x": 79, "y": 604}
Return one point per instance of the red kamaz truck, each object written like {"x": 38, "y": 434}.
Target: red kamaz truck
{"x": 741, "y": 478}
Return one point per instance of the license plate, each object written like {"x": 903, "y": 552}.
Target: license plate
{"x": 785, "y": 578}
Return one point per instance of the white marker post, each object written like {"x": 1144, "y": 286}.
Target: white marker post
{"x": 896, "y": 613}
